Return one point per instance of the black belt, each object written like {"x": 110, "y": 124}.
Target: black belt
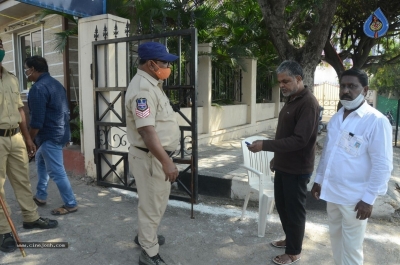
{"x": 170, "y": 153}
{"x": 9, "y": 132}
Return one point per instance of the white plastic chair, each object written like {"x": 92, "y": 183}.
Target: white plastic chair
{"x": 259, "y": 180}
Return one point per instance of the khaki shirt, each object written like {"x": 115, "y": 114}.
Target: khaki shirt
{"x": 147, "y": 105}
{"x": 10, "y": 101}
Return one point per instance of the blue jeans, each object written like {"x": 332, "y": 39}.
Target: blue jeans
{"x": 49, "y": 162}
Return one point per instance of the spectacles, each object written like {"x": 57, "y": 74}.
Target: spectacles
{"x": 166, "y": 64}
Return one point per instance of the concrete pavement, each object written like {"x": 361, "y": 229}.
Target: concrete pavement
{"x": 102, "y": 231}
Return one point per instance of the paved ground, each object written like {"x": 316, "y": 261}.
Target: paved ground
{"x": 102, "y": 231}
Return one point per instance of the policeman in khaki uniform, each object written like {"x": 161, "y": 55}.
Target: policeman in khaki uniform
{"x": 153, "y": 134}
{"x": 14, "y": 158}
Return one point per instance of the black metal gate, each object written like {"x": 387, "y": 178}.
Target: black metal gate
{"x": 114, "y": 64}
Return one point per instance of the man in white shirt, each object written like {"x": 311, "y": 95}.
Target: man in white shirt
{"x": 355, "y": 167}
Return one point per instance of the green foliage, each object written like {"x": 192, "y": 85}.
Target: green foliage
{"x": 301, "y": 15}
{"x": 235, "y": 28}
{"x": 387, "y": 80}
{"x": 123, "y": 8}
{"x": 386, "y": 72}
{"x": 348, "y": 35}
{"x": 61, "y": 39}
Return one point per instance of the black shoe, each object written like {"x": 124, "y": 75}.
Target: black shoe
{"x": 161, "y": 240}
{"x": 8, "y": 243}
{"x": 42, "y": 223}
{"x": 144, "y": 259}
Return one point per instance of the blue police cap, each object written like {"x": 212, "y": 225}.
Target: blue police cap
{"x": 155, "y": 50}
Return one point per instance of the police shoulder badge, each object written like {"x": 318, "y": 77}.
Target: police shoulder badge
{"x": 142, "y": 109}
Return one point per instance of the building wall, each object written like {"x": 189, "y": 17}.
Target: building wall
{"x": 48, "y": 26}
{"x": 8, "y": 61}
{"x": 52, "y": 25}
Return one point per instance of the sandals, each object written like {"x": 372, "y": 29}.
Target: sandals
{"x": 63, "y": 210}
{"x": 291, "y": 259}
{"x": 279, "y": 243}
{"x": 39, "y": 203}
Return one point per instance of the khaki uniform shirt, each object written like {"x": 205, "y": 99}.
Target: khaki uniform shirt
{"x": 147, "y": 105}
{"x": 10, "y": 101}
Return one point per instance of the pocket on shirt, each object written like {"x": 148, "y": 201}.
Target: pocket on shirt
{"x": 15, "y": 96}
{"x": 164, "y": 108}
{"x": 357, "y": 146}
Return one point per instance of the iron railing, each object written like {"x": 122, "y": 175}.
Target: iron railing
{"x": 226, "y": 84}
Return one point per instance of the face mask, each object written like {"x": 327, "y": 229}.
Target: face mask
{"x": 2, "y": 54}
{"x": 352, "y": 104}
{"x": 162, "y": 73}
{"x": 27, "y": 75}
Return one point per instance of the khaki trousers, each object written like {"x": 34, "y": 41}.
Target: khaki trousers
{"x": 153, "y": 192}
{"x": 14, "y": 164}
{"x": 346, "y": 233}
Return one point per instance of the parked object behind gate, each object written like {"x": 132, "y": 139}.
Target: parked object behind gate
{"x": 321, "y": 126}
{"x": 389, "y": 115}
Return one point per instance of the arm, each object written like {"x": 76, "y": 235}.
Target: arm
{"x": 37, "y": 107}
{"x": 319, "y": 177}
{"x": 33, "y": 133}
{"x": 381, "y": 153}
{"x": 30, "y": 146}
{"x": 152, "y": 142}
{"x": 305, "y": 127}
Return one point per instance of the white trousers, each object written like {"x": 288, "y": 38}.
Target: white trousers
{"x": 346, "y": 233}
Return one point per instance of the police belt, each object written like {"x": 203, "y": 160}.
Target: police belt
{"x": 8, "y": 132}
{"x": 170, "y": 153}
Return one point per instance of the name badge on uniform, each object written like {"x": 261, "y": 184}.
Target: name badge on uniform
{"x": 142, "y": 109}
{"x": 351, "y": 143}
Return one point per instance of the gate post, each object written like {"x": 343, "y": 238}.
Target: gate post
{"x": 204, "y": 85}
{"x": 249, "y": 89}
{"x": 86, "y": 29}
{"x": 276, "y": 98}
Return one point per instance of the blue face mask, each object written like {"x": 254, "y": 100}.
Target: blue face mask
{"x": 2, "y": 54}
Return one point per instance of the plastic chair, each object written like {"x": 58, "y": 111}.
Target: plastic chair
{"x": 259, "y": 180}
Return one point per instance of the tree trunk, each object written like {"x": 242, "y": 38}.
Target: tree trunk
{"x": 333, "y": 58}
{"x": 309, "y": 77}
{"x": 309, "y": 55}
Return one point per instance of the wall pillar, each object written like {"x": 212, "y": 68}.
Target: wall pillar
{"x": 204, "y": 84}
{"x": 249, "y": 88}
{"x": 86, "y": 27}
{"x": 276, "y": 98}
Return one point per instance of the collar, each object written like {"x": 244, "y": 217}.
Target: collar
{"x": 300, "y": 95}
{"x": 4, "y": 71}
{"x": 151, "y": 79}
{"x": 361, "y": 111}
{"x": 42, "y": 75}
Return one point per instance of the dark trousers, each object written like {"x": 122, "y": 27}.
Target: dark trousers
{"x": 290, "y": 199}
